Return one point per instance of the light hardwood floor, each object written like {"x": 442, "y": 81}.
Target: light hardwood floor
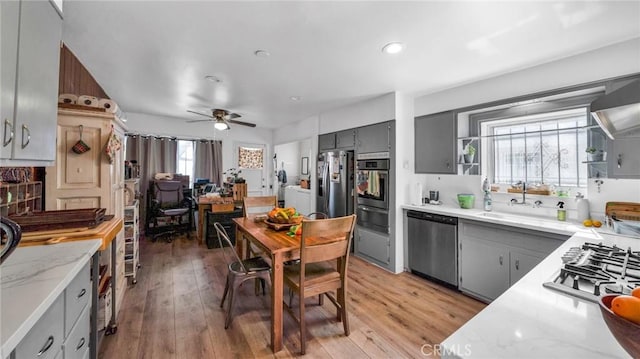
{"x": 173, "y": 312}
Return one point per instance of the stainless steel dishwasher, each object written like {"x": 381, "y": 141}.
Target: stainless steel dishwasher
{"x": 433, "y": 246}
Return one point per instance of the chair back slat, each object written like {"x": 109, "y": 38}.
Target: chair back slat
{"x": 228, "y": 250}
{"x": 258, "y": 204}
{"x": 326, "y": 239}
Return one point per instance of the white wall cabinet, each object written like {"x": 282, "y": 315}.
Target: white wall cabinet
{"x": 32, "y": 47}
{"x": 492, "y": 257}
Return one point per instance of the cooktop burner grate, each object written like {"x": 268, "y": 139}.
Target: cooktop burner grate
{"x": 594, "y": 269}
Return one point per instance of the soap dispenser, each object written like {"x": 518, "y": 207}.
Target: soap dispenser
{"x": 562, "y": 213}
{"x": 487, "y": 195}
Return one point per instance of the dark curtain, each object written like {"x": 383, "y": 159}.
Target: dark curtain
{"x": 208, "y": 161}
{"x": 153, "y": 155}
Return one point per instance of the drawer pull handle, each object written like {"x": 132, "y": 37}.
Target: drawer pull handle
{"x": 500, "y": 260}
{"x": 81, "y": 294}
{"x": 517, "y": 264}
{"x": 81, "y": 344}
{"x": 46, "y": 346}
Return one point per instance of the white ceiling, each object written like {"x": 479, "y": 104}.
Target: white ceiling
{"x": 152, "y": 56}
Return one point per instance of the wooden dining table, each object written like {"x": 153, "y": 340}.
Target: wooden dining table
{"x": 280, "y": 247}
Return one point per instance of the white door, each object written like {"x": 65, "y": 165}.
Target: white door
{"x": 250, "y": 158}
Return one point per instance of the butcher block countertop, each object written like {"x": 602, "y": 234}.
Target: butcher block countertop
{"x": 106, "y": 231}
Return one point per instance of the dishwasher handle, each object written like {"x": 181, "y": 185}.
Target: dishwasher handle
{"x": 433, "y": 217}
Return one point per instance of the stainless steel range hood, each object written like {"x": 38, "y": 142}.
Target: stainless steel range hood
{"x": 618, "y": 112}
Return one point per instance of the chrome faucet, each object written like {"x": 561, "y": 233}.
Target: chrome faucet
{"x": 524, "y": 195}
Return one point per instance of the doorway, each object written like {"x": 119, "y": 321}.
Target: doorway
{"x": 250, "y": 159}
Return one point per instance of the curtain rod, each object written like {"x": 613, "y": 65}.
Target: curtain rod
{"x": 171, "y": 138}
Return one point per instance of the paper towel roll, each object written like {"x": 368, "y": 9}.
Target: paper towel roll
{"x": 88, "y": 101}
{"x": 108, "y": 105}
{"x": 68, "y": 98}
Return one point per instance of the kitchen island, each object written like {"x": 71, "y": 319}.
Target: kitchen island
{"x": 32, "y": 279}
{"x": 531, "y": 321}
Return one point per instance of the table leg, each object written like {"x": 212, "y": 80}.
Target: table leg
{"x": 201, "y": 208}
{"x": 276, "y": 302}
{"x": 240, "y": 242}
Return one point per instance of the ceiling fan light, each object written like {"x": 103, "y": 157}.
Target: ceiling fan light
{"x": 393, "y": 48}
{"x": 221, "y": 126}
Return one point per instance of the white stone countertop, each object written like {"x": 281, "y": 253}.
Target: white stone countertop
{"x": 515, "y": 220}
{"x": 531, "y": 321}
{"x": 31, "y": 279}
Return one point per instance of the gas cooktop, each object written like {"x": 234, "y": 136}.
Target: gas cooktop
{"x": 595, "y": 269}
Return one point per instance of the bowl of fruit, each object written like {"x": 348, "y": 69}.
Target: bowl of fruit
{"x": 284, "y": 216}
{"x": 622, "y": 315}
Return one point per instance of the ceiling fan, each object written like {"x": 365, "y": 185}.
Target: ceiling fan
{"x": 222, "y": 119}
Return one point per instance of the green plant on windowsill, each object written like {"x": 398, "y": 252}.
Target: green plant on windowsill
{"x": 235, "y": 173}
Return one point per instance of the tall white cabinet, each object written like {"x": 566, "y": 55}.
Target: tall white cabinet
{"x": 89, "y": 179}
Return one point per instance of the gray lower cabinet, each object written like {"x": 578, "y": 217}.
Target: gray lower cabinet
{"x": 435, "y": 143}
{"x": 623, "y": 159}
{"x": 27, "y": 131}
{"x": 493, "y": 257}
{"x": 373, "y": 245}
{"x": 63, "y": 331}
{"x": 375, "y": 138}
{"x": 45, "y": 338}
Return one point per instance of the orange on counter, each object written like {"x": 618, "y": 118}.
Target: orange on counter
{"x": 636, "y": 292}
{"x": 587, "y": 223}
{"x": 597, "y": 224}
{"x": 627, "y": 307}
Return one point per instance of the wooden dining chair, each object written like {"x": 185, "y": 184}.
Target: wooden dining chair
{"x": 322, "y": 241}
{"x": 239, "y": 271}
{"x": 258, "y": 204}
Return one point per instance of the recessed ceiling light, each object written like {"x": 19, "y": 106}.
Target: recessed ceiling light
{"x": 295, "y": 98}
{"x": 393, "y": 48}
{"x": 213, "y": 79}
{"x": 262, "y": 53}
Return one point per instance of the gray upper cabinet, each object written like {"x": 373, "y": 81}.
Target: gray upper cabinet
{"x": 346, "y": 139}
{"x": 435, "y": 143}
{"x": 374, "y": 138}
{"x": 623, "y": 159}
{"x": 327, "y": 141}
{"x": 36, "y": 86}
{"x": 9, "y": 12}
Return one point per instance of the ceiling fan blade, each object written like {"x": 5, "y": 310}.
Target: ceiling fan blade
{"x": 209, "y": 120}
{"x": 242, "y": 123}
{"x": 201, "y": 114}
{"x": 233, "y": 115}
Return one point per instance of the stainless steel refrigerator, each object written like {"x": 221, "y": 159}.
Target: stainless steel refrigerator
{"x": 335, "y": 191}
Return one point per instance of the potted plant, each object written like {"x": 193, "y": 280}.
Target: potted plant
{"x": 594, "y": 155}
{"x": 469, "y": 152}
{"x": 235, "y": 175}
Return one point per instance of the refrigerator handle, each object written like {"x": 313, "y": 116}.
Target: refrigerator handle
{"x": 325, "y": 185}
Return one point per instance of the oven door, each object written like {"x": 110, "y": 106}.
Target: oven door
{"x": 373, "y": 188}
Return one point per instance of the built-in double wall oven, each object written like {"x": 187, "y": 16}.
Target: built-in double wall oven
{"x": 372, "y": 186}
